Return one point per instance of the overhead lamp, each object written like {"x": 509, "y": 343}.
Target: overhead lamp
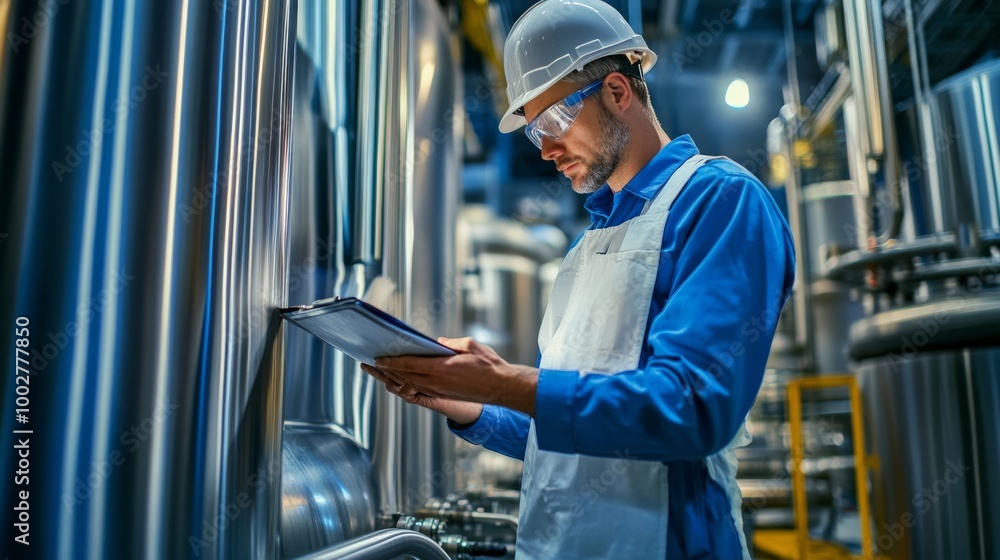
{"x": 738, "y": 94}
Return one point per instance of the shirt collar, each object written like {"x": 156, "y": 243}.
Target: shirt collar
{"x": 648, "y": 181}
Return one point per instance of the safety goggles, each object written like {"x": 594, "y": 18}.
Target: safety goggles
{"x": 556, "y": 120}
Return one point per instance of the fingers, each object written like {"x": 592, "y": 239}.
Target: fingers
{"x": 377, "y": 374}
{"x": 393, "y": 384}
{"x": 408, "y": 364}
{"x": 464, "y": 344}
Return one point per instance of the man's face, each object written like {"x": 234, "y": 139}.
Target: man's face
{"x": 592, "y": 148}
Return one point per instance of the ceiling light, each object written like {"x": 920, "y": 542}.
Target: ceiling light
{"x": 738, "y": 94}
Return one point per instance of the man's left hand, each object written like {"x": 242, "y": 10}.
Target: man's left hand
{"x": 476, "y": 374}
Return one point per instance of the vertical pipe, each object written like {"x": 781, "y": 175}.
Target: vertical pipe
{"x": 793, "y": 192}
{"x": 380, "y": 107}
{"x": 370, "y": 152}
{"x": 793, "y": 72}
{"x": 889, "y": 156}
{"x": 870, "y": 81}
{"x": 856, "y": 62}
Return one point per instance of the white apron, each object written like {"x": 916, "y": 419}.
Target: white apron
{"x": 577, "y": 506}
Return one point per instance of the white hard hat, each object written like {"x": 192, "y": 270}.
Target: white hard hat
{"x": 556, "y": 37}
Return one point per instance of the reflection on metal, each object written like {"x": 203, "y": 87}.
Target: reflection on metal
{"x": 965, "y": 112}
{"x": 387, "y": 544}
{"x": 962, "y": 320}
{"x": 355, "y": 233}
{"x": 830, "y": 35}
{"x": 781, "y": 140}
{"x": 422, "y": 228}
{"x": 873, "y": 117}
{"x": 145, "y": 152}
{"x": 828, "y": 210}
{"x": 326, "y": 489}
{"x": 934, "y": 425}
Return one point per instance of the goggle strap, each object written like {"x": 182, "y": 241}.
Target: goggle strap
{"x": 634, "y": 69}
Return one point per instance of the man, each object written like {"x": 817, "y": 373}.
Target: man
{"x": 658, "y": 327}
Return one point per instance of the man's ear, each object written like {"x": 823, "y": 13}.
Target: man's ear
{"x": 620, "y": 90}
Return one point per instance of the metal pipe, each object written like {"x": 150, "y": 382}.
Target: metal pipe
{"x": 801, "y": 293}
{"x": 370, "y": 151}
{"x": 498, "y": 518}
{"x": 856, "y": 163}
{"x": 793, "y": 73}
{"x": 918, "y": 73}
{"x": 382, "y": 545}
{"x": 803, "y": 318}
{"x": 874, "y": 119}
{"x": 856, "y": 63}
{"x": 887, "y": 128}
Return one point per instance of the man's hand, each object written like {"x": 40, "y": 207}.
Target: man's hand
{"x": 459, "y": 411}
{"x": 476, "y": 375}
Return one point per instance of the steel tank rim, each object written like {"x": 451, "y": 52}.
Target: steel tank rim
{"x": 946, "y": 324}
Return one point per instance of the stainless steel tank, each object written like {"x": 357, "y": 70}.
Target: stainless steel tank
{"x": 375, "y": 184}
{"x": 145, "y": 156}
{"x": 955, "y": 178}
{"x": 934, "y": 429}
{"x": 829, "y": 221}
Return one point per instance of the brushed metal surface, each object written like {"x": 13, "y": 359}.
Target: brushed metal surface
{"x": 933, "y": 423}
{"x": 145, "y": 155}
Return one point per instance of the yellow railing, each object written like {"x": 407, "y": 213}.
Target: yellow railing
{"x": 861, "y": 461}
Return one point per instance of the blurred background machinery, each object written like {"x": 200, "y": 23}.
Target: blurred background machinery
{"x": 174, "y": 172}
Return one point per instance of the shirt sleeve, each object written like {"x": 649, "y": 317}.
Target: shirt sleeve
{"x": 729, "y": 262}
{"x": 497, "y": 429}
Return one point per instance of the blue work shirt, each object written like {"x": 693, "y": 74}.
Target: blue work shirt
{"x": 727, "y": 265}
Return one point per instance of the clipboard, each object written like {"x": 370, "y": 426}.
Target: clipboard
{"x": 362, "y": 331}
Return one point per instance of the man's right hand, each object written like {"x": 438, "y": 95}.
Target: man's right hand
{"x": 460, "y": 412}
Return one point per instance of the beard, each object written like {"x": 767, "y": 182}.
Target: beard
{"x": 614, "y": 138}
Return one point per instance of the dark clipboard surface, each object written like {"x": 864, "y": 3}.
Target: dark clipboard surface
{"x": 363, "y": 331}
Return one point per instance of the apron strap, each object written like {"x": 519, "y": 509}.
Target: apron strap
{"x": 656, "y": 209}
{"x": 665, "y": 198}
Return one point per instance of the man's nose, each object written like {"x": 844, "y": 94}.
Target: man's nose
{"x": 551, "y": 149}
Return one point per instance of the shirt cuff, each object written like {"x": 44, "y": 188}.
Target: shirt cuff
{"x": 554, "y": 410}
{"x": 482, "y": 429}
